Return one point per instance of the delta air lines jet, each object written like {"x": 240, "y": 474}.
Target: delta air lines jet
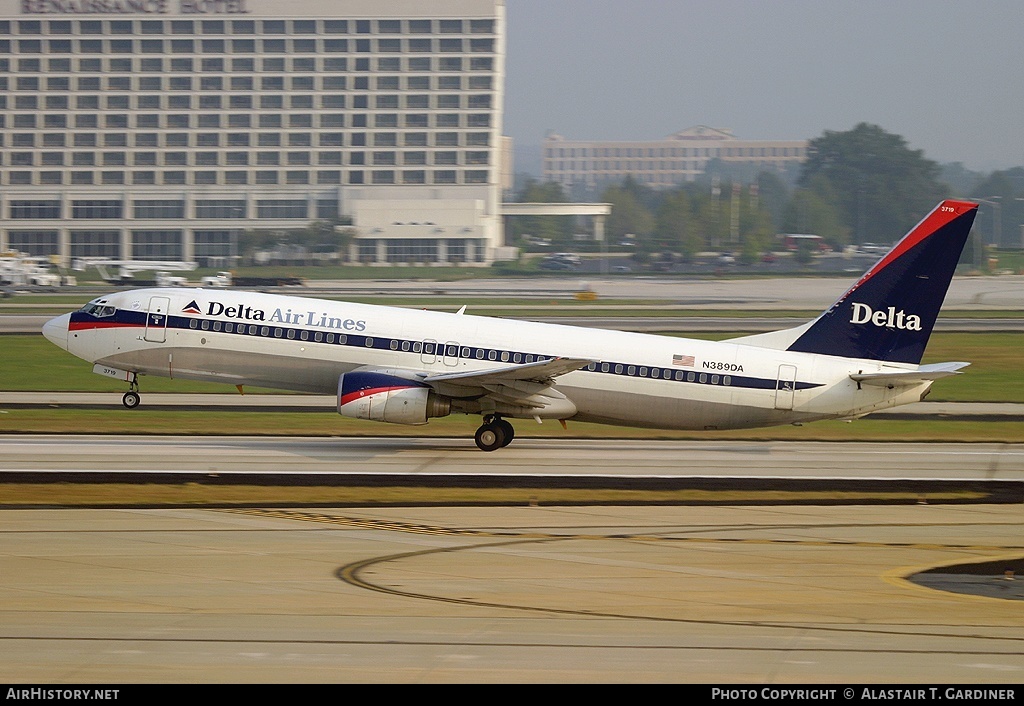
{"x": 405, "y": 366}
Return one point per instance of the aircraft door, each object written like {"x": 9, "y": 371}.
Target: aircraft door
{"x": 156, "y": 319}
{"x": 451, "y": 354}
{"x": 428, "y": 351}
{"x": 785, "y": 386}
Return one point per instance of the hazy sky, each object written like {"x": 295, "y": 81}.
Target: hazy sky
{"x": 947, "y": 76}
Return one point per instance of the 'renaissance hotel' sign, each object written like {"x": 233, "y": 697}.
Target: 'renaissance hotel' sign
{"x": 131, "y": 7}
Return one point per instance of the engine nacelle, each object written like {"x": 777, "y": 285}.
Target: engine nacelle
{"x": 383, "y": 397}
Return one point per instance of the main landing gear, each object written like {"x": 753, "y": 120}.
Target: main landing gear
{"x": 494, "y": 433}
{"x": 131, "y": 398}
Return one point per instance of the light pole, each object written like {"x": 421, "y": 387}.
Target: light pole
{"x": 998, "y": 230}
{"x": 1018, "y": 198}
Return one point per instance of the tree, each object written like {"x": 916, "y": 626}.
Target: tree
{"x": 554, "y": 228}
{"x": 882, "y": 186}
{"x": 814, "y": 211}
{"x": 772, "y": 196}
{"x": 757, "y": 229}
{"x": 629, "y": 215}
{"x": 674, "y": 226}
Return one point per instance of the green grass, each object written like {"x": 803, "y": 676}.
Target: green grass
{"x": 31, "y": 363}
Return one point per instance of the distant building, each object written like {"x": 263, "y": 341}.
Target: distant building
{"x": 661, "y": 164}
{"x": 161, "y": 130}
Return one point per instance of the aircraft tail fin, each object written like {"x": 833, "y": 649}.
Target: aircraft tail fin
{"x": 889, "y": 313}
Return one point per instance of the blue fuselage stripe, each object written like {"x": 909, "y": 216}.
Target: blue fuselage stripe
{"x": 436, "y": 349}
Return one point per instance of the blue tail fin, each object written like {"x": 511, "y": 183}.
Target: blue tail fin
{"x": 889, "y": 313}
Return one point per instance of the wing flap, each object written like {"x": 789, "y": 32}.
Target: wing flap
{"x": 522, "y": 390}
{"x": 541, "y": 371}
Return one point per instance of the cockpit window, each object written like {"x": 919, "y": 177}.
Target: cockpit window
{"x": 99, "y": 310}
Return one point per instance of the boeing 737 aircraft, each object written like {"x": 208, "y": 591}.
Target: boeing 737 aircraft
{"x": 405, "y": 365}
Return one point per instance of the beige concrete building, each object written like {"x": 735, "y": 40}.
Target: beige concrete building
{"x": 162, "y": 129}
{"x": 663, "y": 163}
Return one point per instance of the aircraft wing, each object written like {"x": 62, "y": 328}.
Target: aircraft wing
{"x": 924, "y": 373}
{"x": 541, "y": 371}
{"x": 527, "y": 387}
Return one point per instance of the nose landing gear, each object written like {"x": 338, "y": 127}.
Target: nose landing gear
{"x": 131, "y": 398}
{"x": 494, "y": 433}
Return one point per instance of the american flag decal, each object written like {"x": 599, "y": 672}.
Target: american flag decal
{"x": 685, "y": 360}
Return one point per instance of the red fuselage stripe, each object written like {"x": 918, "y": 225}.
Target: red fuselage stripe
{"x": 369, "y": 392}
{"x": 90, "y": 325}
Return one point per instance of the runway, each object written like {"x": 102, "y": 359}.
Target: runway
{"x": 592, "y": 458}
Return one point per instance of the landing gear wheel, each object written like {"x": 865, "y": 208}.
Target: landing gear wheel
{"x": 506, "y": 427}
{"x": 131, "y": 399}
{"x": 490, "y": 437}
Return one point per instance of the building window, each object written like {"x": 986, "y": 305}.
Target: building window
{"x": 220, "y": 209}
{"x": 282, "y": 208}
{"x": 19, "y": 210}
{"x": 97, "y": 209}
{"x": 150, "y": 209}
{"x": 157, "y": 244}
{"x": 215, "y": 245}
{"x": 456, "y": 250}
{"x": 411, "y": 250}
{"x": 96, "y": 243}
{"x": 36, "y": 243}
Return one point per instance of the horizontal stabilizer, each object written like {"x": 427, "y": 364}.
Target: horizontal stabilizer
{"x": 925, "y": 373}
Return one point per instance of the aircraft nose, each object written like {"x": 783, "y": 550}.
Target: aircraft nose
{"x": 56, "y": 330}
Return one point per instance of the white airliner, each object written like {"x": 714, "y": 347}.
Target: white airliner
{"x": 405, "y": 366}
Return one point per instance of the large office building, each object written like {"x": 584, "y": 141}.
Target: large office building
{"x": 163, "y": 129}
{"x": 659, "y": 164}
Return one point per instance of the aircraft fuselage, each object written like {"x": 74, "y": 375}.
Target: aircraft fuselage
{"x": 304, "y": 345}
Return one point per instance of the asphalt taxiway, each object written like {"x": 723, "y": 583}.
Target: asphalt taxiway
{"x": 773, "y": 593}
{"x": 711, "y": 595}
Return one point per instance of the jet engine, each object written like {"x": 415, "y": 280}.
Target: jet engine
{"x": 386, "y": 397}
